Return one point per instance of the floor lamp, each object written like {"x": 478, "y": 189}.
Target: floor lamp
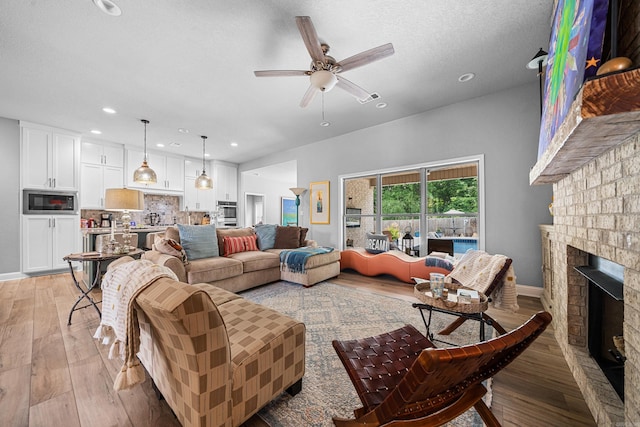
{"x": 124, "y": 200}
{"x": 298, "y": 192}
{"x": 539, "y": 61}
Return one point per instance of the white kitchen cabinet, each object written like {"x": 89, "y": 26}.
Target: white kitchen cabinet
{"x": 50, "y": 158}
{"x": 194, "y": 199}
{"x": 169, "y": 170}
{"x": 99, "y": 153}
{"x": 225, "y": 182}
{"x": 47, "y": 239}
{"x": 95, "y": 179}
{"x": 101, "y": 168}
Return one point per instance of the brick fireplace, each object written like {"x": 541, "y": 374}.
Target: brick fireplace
{"x": 597, "y": 211}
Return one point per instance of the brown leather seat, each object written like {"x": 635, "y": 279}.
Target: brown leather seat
{"x": 400, "y": 375}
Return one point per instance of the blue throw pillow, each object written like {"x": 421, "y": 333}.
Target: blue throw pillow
{"x": 266, "y": 236}
{"x": 199, "y": 241}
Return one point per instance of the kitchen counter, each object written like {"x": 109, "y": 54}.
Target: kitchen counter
{"x": 136, "y": 229}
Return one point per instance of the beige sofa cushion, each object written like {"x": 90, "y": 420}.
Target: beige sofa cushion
{"x": 256, "y": 260}
{"x": 212, "y": 269}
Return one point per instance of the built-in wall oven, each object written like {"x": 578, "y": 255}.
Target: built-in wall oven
{"x": 39, "y": 202}
{"x": 227, "y": 214}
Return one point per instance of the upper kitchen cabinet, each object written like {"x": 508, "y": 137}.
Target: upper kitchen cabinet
{"x": 102, "y": 153}
{"x": 50, "y": 158}
{"x": 195, "y": 199}
{"x": 169, "y": 171}
{"x": 101, "y": 168}
{"x": 225, "y": 181}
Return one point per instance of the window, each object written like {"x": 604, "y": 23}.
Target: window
{"x": 439, "y": 201}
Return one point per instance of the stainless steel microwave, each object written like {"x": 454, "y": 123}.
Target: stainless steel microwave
{"x": 38, "y": 202}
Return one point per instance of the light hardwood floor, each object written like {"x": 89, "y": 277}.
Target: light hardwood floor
{"x": 52, "y": 374}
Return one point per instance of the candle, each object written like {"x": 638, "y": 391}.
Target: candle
{"x": 113, "y": 230}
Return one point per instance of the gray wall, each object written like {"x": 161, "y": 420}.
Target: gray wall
{"x": 272, "y": 190}
{"x": 10, "y": 195}
{"x": 503, "y": 126}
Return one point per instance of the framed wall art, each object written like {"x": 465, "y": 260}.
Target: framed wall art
{"x": 319, "y": 202}
{"x": 288, "y": 211}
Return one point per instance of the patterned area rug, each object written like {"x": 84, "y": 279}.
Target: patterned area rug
{"x": 331, "y": 312}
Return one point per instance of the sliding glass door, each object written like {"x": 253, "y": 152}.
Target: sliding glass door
{"x": 439, "y": 202}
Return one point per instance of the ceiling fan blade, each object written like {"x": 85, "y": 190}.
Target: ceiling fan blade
{"x": 308, "y": 96}
{"x": 352, "y": 88}
{"x": 310, "y": 38}
{"x": 366, "y": 57}
{"x": 280, "y": 73}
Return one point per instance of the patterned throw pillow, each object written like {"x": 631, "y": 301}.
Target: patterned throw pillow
{"x": 266, "y": 236}
{"x": 376, "y": 243}
{"x": 199, "y": 241}
{"x": 170, "y": 247}
{"x": 233, "y": 245}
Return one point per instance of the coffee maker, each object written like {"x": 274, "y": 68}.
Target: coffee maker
{"x": 105, "y": 220}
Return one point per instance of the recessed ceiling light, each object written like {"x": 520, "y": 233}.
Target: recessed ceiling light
{"x": 325, "y": 123}
{"x": 159, "y": 144}
{"x": 381, "y": 105}
{"x": 109, "y": 110}
{"x": 108, "y": 7}
{"x": 183, "y": 130}
{"x": 96, "y": 132}
{"x": 466, "y": 77}
{"x": 207, "y": 155}
{"x": 234, "y": 144}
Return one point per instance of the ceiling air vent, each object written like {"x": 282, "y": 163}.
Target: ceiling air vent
{"x": 175, "y": 144}
{"x": 372, "y": 96}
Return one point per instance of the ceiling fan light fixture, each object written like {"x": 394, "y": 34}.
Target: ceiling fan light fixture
{"x": 323, "y": 80}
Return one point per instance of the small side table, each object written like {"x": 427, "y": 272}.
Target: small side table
{"x": 473, "y": 311}
{"x": 97, "y": 258}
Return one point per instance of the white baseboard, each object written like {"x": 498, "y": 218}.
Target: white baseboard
{"x": 11, "y": 276}
{"x": 529, "y": 291}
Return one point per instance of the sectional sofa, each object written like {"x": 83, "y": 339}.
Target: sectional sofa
{"x": 242, "y": 258}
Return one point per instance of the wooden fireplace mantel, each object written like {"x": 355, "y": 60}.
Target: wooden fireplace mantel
{"x": 606, "y": 111}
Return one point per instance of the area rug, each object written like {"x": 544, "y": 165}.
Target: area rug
{"x": 331, "y": 312}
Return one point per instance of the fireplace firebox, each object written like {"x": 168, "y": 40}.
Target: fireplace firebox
{"x": 605, "y": 319}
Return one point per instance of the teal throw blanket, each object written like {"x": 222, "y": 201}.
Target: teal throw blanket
{"x": 293, "y": 260}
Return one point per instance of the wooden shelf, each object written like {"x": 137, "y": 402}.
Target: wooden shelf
{"x": 606, "y": 112}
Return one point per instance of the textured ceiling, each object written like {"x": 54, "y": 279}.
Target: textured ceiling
{"x": 189, "y": 64}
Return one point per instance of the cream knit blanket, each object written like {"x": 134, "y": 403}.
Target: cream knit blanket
{"x": 477, "y": 269}
{"x": 118, "y": 325}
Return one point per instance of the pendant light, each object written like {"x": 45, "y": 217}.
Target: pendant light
{"x": 204, "y": 182}
{"x": 144, "y": 174}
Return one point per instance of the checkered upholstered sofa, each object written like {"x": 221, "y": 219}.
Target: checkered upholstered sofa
{"x": 216, "y": 358}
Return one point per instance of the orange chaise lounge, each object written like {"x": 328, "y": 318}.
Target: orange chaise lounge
{"x": 396, "y": 263}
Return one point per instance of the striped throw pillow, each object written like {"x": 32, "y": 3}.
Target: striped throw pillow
{"x": 237, "y": 244}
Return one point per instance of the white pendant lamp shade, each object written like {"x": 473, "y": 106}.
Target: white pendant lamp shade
{"x": 323, "y": 80}
{"x": 144, "y": 174}
{"x": 204, "y": 182}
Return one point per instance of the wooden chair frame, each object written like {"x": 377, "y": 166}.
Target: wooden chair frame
{"x": 402, "y": 379}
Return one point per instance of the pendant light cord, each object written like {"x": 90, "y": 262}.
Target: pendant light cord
{"x": 145, "y": 138}
{"x": 204, "y": 138}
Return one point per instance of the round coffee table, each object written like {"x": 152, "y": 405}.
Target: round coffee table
{"x": 472, "y": 310}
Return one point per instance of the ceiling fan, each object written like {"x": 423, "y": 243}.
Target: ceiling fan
{"x": 325, "y": 70}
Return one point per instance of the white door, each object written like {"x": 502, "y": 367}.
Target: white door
{"x": 112, "y": 178}
{"x": 66, "y": 238}
{"x": 65, "y": 161}
{"x": 36, "y": 144}
{"x": 113, "y": 156}
{"x": 36, "y": 244}
{"x": 174, "y": 174}
{"x": 91, "y": 191}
